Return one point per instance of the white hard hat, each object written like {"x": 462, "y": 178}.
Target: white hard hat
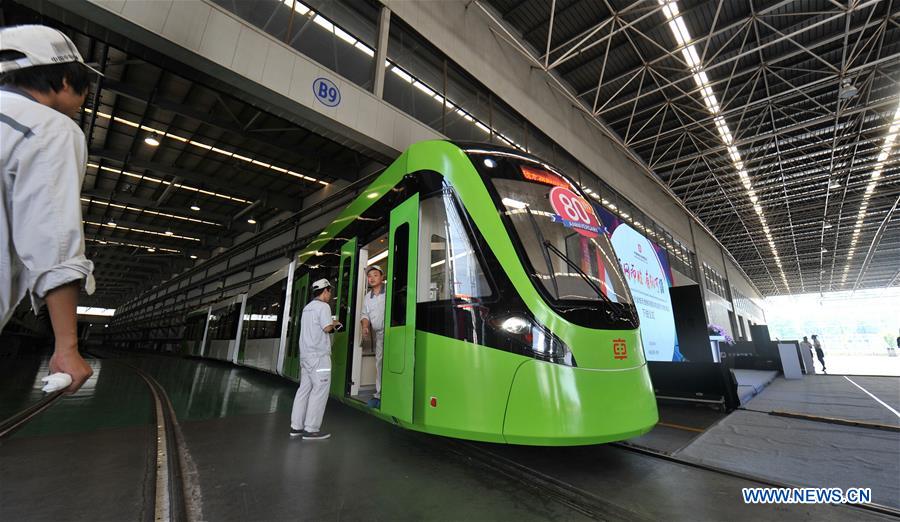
{"x": 320, "y": 284}
{"x": 374, "y": 267}
{"x": 41, "y": 45}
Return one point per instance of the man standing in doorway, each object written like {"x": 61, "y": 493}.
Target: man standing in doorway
{"x": 316, "y": 327}
{"x": 43, "y": 84}
{"x": 819, "y": 352}
{"x": 373, "y": 324}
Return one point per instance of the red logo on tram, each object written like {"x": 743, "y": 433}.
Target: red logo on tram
{"x": 574, "y": 212}
{"x": 620, "y": 349}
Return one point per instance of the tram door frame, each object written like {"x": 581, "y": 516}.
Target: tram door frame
{"x": 299, "y": 295}
{"x": 341, "y": 341}
{"x": 398, "y": 365}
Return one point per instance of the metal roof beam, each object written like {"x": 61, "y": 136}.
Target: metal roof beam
{"x": 145, "y": 204}
{"x": 310, "y": 168}
{"x": 270, "y": 198}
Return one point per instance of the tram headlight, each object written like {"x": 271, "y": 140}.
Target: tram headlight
{"x": 549, "y": 347}
{"x": 535, "y": 340}
{"x": 516, "y": 325}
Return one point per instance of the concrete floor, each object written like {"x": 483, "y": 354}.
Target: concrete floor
{"x": 235, "y": 423}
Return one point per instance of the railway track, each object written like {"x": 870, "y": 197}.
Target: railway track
{"x": 170, "y": 498}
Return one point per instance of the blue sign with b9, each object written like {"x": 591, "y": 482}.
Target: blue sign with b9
{"x": 327, "y": 92}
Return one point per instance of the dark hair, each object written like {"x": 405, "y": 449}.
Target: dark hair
{"x": 317, "y": 293}
{"x": 46, "y": 78}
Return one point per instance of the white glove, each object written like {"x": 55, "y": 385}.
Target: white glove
{"x": 57, "y": 381}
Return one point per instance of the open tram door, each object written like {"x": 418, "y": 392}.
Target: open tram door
{"x": 341, "y": 341}
{"x": 299, "y": 297}
{"x": 398, "y": 372}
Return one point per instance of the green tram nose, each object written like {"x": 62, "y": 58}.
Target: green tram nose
{"x": 552, "y": 404}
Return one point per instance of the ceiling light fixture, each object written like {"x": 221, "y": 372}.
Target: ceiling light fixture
{"x": 847, "y": 90}
{"x": 195, "y": 207}
{"x": 156, "y": 134}
{"x": 251, "y": 221}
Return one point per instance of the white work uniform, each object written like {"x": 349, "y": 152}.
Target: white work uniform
{"x": 373, "y": 310}
{"x": 315, "y": 367}
{"x": 41, "y": 233}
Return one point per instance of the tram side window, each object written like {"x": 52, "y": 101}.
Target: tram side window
{"x": 264, "y": 315}
{"x": 400, "y": 281}
{"x": 223, "y": 324}
{"x": 448, "y": 266}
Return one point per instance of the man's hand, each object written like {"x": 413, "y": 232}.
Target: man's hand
{"x": 68, "y": 360}
{"x": 61, "y": 303}
{"x": 365, "y": 327}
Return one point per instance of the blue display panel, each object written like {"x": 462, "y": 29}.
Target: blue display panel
{"x": 647, "y": 272}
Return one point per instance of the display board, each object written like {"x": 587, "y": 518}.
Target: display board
{"x": 647, "y": 272}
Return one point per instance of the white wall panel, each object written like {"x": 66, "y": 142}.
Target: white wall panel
{"x": 279, "y": 69}
{"x": 220, "y": 38}
{"x": 250, "y": 55}
{"x": 149, "y": 14}
{"x": 186, "y": 23}
{"x": 115, "y": 6}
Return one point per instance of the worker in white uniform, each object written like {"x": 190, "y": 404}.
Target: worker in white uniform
{"x": 43, "y": 84}
{"x": 372, "y": 324}
{"x": 316, "y": 327}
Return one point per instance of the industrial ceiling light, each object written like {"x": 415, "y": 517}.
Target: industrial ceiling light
{"x": 688, "y": 47}
{"x": 193, "y": 256}
{"x": 847, "y": 90}
{"x": 251, "y": 221}
{"x": 152, "y": 140}
{"x": 151, "y": 250}
{"x": 111, "y": 223}
{"x": 194, "y": 206}
{"x": 169, "y": 233}
{"x": 827, "y": 225}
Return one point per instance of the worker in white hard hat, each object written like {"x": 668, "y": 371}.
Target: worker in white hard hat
{"x": 372, "y": 324}
{"x": 316, "y": 326}
{"x": 43, "y": 84}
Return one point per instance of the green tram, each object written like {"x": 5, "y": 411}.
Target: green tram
{"x": 507, "y": 318}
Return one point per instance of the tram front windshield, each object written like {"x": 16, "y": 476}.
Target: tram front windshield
{"x": 565, "y": 243}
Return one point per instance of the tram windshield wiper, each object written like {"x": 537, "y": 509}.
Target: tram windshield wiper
{"x": 571, "y": 264}
{"x": 540, "y": 235}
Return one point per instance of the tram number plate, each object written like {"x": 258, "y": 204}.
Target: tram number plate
{"x": 326, "y": 92}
